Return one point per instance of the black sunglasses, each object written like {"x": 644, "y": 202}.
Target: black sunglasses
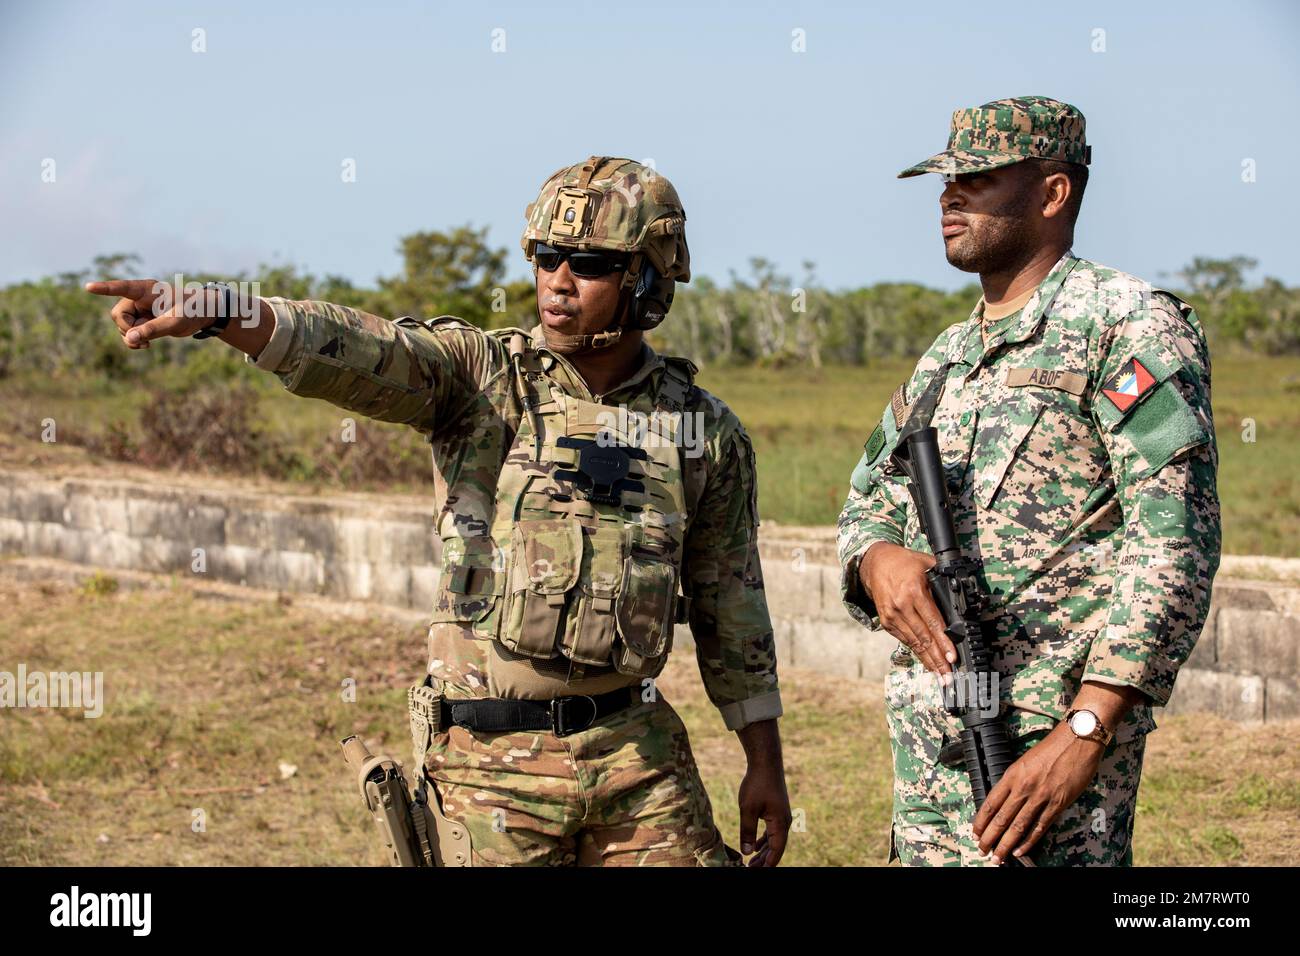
{"x": 588, "y": 265}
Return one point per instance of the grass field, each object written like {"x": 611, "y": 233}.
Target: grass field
{"x": 234, "y": 710}
{"x": 808, "y": 428}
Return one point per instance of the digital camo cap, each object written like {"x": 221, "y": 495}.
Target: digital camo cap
{"x": 1007, "y": 131}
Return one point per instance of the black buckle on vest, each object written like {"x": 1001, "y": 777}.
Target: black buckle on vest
{"x": 564, "y": 719}
{"x": 602, "y": 474}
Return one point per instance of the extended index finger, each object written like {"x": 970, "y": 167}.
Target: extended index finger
{"x": 126, "y": 288}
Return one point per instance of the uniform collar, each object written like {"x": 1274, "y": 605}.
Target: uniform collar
{"x": 561, "y": 370}
{"x": 1031, "y": 315}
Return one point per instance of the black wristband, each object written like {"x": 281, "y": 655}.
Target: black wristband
{"x": 224, "y": 312}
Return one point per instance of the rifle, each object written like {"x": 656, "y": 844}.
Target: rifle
{"x": 955, "y": 587}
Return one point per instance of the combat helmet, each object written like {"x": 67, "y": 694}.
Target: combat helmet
{"x": 617, "y": 205}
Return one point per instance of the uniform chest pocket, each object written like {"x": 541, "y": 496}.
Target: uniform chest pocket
{"x": 1036, "y": 462}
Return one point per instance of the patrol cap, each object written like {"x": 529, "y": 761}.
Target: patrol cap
{"x": 1006, "y": 131}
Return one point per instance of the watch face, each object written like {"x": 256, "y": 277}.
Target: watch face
{"x": 1083, "y": 723}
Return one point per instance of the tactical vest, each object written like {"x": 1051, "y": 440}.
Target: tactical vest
{"x": 584, "y": 554}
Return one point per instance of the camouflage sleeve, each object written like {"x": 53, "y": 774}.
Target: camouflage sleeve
{"x": 734, "y": 643}
{"x": 876, "y": 510}
{"x": 1152, "y": 406}
{"x": 414, "y": 373}
{"x": 878, "y": 501}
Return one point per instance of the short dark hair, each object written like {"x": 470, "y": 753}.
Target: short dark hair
{"x": 1078, "y": 176}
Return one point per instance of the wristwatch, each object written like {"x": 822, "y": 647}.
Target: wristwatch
{"x": 223, "y": 311}
{"x": 1085, "y": 725}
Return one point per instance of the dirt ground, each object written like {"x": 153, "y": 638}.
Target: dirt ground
{"x": 218, "y": 742}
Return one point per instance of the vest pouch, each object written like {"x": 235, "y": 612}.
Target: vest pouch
{"x": 589, "y": 635}
{"x": 643, "y": 614}
{"x": 470, "y": 583}
{"x": 547, "y": 558}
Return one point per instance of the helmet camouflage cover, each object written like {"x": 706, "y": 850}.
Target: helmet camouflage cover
{"x": 614, "y": 204}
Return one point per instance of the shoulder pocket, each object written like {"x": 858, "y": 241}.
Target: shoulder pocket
{"x": 1160, "y": 428}
{"x": 879, "y": 443}
{"x": 861, "y": 478}
{"x": 441, "y": 321}
{"x": 1142, "y": 403}
{"x": 748, "y": 472}
{"x": 323, "y": 376}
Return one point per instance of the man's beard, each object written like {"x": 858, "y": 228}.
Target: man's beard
{"x": 996, "y": 241}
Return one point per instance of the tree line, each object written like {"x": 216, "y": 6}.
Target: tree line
{"x": 52, "y": 326}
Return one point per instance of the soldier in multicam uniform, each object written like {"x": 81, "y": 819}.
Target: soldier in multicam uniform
{"x": 582, "y": 481}
{"x": 1073, "y": 411}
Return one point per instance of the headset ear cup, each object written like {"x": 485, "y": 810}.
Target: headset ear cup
{"x": 649, "y": 309}
{"x": 641, "y": 295}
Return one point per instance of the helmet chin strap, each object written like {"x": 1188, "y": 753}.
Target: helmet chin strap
{"x": 574, "y": 344}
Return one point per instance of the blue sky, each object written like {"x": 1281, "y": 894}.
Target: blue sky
{"x": 232, "y": 157}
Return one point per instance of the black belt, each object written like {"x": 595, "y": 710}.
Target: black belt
{"x": 560, "y": 715}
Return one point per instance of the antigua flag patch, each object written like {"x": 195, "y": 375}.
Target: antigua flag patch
{"x": 1128, "y": 385}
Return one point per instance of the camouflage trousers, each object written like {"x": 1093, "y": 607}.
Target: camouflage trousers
{"x": 934, "y": 808}
{"x": 623, "y": 792}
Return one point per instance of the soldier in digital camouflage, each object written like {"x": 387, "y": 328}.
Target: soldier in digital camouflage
{"x": 589, "y": 497}
{"x": 1073, "y": 412}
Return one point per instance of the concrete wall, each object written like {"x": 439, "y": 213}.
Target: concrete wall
{"x": 352, "y": 548}
{"x": 1246, "y": 665}
{"x": 385, "y": 550}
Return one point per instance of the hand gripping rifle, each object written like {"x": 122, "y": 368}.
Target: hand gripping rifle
{"x": 955, "y": 586}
